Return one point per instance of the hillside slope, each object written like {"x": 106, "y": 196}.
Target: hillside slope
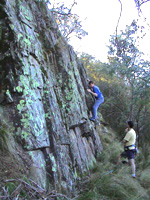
{"x": 113, "y": 181}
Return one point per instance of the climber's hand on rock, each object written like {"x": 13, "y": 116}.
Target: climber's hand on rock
{"x": 88, "y": 90}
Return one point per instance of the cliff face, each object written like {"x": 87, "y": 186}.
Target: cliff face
{"x": 44, "y": 122}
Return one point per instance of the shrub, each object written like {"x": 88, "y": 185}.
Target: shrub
{"x": 145, "y": 178}
{"x": 113, "y": 182}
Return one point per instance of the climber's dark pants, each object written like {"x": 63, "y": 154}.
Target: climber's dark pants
{"x": 130, "y": 154}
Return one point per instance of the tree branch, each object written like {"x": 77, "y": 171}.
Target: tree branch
{"x": 74, "y": 3}
{"x": 31, "y": 190}
{"x": 143, "y": 2}
{"x": 119, "y": 18}
{"x": 57, "y": 12}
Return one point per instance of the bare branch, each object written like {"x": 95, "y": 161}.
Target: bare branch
{"x": 57, "y": 12}
{"x": 37, "y": 185}
{"x": 119, "y": 18}
{"x": 74, "y": 3}
{"x": 55, "y": 194}
{"x": 33, "y": 191}
{"x": 143, "y": 2}
{"x": 17, "y": 190}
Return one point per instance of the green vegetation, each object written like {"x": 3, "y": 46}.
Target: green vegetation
{"x": 69, "y": 23}
{"x": 124, "y": 81}
{"x": 112, "y": 181}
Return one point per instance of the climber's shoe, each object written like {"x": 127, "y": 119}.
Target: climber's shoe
{"x": 91, "y": 119}
{"x": 133, "y": 176}
{"x": 124, "y": 162}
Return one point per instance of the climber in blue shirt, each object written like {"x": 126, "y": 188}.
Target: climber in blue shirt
{"x": 99, "y": 99}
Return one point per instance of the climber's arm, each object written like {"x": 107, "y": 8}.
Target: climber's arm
{"x": 94, "y": 94}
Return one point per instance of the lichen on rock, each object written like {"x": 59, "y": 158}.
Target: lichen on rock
{"x": 43, "y": 98}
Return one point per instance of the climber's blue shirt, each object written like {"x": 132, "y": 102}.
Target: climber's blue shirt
{"x": 98, "y": 92}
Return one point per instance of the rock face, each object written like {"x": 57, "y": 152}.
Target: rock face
{"x": 43, "y": 103}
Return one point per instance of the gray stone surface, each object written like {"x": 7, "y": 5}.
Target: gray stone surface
{"x": 43, "y": 100}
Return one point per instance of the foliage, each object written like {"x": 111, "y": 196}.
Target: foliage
{"x": 145, "y": 178}
{"x": 111, "y": 181}
{"x": 139, "y": 3}
{"x": 113, "y": 89}
{"x": 127, "y": 63}
{"x": 69, "y": 23}
{"x": 124, "y": 81}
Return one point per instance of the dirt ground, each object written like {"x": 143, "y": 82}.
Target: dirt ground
{"x": 8, "y": 168}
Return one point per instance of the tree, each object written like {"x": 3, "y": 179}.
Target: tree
{"x": 69, "y": 24}
{"x": 127, "y": 63}
{"x": 115, "y": 108}
{"x": 139, "y": 3}
{"x": 124, "y": 81}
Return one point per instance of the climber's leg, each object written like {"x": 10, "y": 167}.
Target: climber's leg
{"x": 95, "y": 107}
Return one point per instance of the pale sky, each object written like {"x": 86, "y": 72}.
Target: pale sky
{"x": 101, "y": 20}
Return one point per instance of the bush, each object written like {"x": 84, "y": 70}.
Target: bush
{"x": 113, "y": 182}
{"x": 145, "y": 178}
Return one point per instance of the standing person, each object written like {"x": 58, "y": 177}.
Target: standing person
{"x": 129, "y": 146}
{"x": 99, "y": 99}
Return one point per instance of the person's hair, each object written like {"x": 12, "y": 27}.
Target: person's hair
{"x": 91, "y": 82}
{"x": 131, "y": 124}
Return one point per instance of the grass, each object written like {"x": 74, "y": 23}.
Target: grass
{"x": 110, "y": 181}
{"x": 145, "y": 178}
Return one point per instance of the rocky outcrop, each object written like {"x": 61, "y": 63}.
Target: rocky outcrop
{"x": 43, "y": 102}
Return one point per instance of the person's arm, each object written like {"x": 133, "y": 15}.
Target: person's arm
{"x": 124, "y": 142}
{"x": 127, "y": 138}
{"x": 92, "y": 92}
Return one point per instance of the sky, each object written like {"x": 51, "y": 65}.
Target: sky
{"x": 99, "y": 18}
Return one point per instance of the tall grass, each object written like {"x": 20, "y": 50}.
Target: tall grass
{"x": 113, "y": 181}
